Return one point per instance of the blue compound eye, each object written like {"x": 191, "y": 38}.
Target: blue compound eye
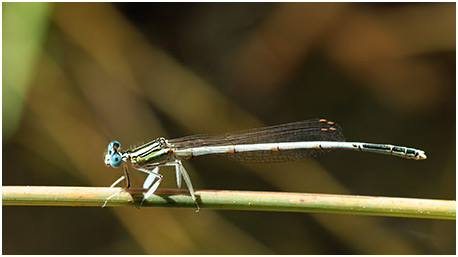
{"x": 115, "y": 160}
{"x": 113, "y": 145}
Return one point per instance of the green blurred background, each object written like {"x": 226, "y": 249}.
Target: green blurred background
{"x": 76, "y": 75}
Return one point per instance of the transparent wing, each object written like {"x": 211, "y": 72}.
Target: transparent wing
{"x": 309, "y": 130}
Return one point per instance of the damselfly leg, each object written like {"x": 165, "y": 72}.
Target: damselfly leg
{"x": 125, "y": 176}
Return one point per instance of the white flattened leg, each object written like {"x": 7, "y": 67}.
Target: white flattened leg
{"x": 177, "y": 171}
{"x": 181, "y": 170}
{"x": 178, "y": 174}
{"x": 150, "y": 179}
{"x": 152, "y": 175}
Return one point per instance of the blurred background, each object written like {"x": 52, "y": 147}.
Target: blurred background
{"x": 77, "y": 75}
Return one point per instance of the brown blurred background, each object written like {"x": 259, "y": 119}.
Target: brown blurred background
{"x": 78, "y": 75}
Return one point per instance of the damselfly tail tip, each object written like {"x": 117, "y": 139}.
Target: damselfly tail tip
{"x": 421, "y": 155}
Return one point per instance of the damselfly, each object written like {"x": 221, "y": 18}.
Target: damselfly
{"x": 285, "y": 142}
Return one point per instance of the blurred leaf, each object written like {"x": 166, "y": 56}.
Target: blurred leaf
{"x": 24, "y": 26}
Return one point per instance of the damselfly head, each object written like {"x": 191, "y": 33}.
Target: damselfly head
{"x": 115, "y": 160}
{"x": 112, "y": 157}
{"x": 113, "y": 145}
{"x": 107, "y": 159}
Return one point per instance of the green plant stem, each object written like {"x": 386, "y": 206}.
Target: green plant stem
{"x": 234, "y": 200}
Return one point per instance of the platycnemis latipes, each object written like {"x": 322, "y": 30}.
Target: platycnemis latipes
{"x": 285, "y": 142}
